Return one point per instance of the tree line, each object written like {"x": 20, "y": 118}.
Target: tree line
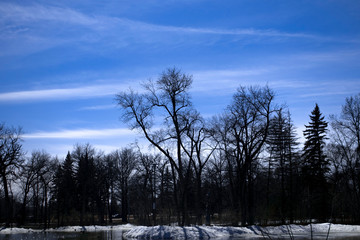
{"x": 241, "y": 167}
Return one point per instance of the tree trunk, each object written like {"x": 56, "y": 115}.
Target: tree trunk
{"x": 45, "y": 207}
{"x": 199, "y": 201}
{"x": 8, "y": 208}
{"x": 124, "y": 204}
{"x": 23, "y": 210}
{"x": 109, "y": 210}
{"x": 251, "y": 205}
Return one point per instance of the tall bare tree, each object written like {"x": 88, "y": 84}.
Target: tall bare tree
{"x": 126, "y": 163}
{"x": 346, "y": 146}
{"x": 249, "y": 119}
{"x": 27, "y": 178}
{"x": 10, "y": 160}
{"x": 222, "y": 136}
{"x": 199, "y": 152}
{"x": 168, "y": 98}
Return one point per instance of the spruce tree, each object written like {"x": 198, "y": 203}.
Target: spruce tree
{"x": 316, "y": 165}
{"x": 68, "y": 183}
{"x": 315, "y": 134}
{"x": 282, "y": 145}
{"x": 65, "y": 190}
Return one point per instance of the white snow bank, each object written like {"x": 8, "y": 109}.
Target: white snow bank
{"x": 197, "y": 232}
{"x": 94, "y": 228}
{"x": 204, "y": 232}
{"x": 17, "y": 230}
{"x": 316, "y": 228}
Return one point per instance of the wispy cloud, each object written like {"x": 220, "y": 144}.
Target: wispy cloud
{"x": 98, "y": 107}
{"x": 62, "y": 93}
{"x": 328, "y": 93}
{"x": 345, "y": 88}
{"x": 225, "y": 81}
{"x": 329, "y": 56}
{"x": 213, "y": 31}
{"x": 231, "y": 72}
{"x": 33, "y": 24}
{"x": 34, "y": 13}
{"x": 81, "y": 134}
{"x": 22, "y": 14}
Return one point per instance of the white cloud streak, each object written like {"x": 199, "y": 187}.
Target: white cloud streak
{"x": 81, "y": 134}
{"x": 223, "y": 81}
{"x": 98, "y": 107}
{"x": 26, "y": 29}
{"x": 226, "y": 81}
{"x": 27, "y": 14}
{"x": 62, "y": 93}
{"x": 23, "y": 14}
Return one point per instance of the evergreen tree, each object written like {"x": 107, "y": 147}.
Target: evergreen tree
{"x": 84, "y": 157}
{"x": 282, "y": 144}
{"x": 68, "y": 184}
{"x": 316, "y": 165}
{"x": 65, "y": 190}
{"x": 315, "y": 135}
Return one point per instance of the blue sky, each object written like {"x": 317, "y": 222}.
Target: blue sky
{"x": 62, "y": 62}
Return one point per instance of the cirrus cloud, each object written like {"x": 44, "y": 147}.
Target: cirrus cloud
{"x": 80, "y": 134}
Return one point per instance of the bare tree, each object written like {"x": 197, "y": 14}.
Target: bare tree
{"x": 126, "y": 163}
{"x": 222, "y": 136}
{"x": 42, "y": 168}
{"x": 249, "y": 118}
{"x": 199, "y": 152}
{"x": 346, "y": 144}
{"x": 111, "y": 172}
{"x": 27, "y": 177}
{"x": 167, "y": 97}
{"x": 10, "y": 160}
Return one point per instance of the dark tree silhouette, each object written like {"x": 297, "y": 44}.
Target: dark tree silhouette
{"x": 282, "y": 145}
{"x": 111, "y": 175}
{"x": 345, "y": 153}
{"x": 246, "y": 128}
{"x": 84, "y": 156}
{"x": 126, "y": 163}
{"x": 316, "y": 165}
{"x": 10, "y": 159}
{"x": 27, "y": 176}
{"x": 199, "y": 152}
{"x": 65, "y": 186}
{"x": 167, "y": 97}
{"x": 243, "y": 167}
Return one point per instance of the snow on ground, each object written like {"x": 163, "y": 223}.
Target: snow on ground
{"x": 203, "y": 232}
{"x": 93, "y": 228}
{"x": 16, "y": 230}
{"x": 316, "y": 228}
{"x": 196, "y": 232}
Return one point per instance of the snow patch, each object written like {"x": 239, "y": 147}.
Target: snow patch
{"x": 94, "y": 228}
{"x": 195, "y": 232}
{"x": 17, "y": 230}
{"x": 315, "y": 228}
{"x": 205, "y": 232}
